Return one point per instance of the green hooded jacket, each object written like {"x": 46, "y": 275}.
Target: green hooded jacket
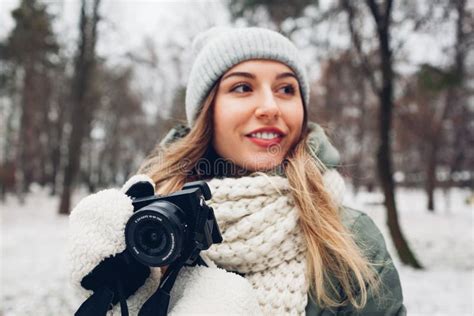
{"x": 370, "y": 239}
{"x": 389, "y": 301}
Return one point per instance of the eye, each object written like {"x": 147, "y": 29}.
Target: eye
{"x": 288, "y": 89}
{"x": 241, "y": 88}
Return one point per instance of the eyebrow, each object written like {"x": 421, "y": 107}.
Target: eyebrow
{"x": 286, "y": 74}
{"x": 252, "y": 76}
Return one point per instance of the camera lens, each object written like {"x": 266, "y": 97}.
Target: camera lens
{"x": 152, "y": 239}
{"x": 154, "y": 234}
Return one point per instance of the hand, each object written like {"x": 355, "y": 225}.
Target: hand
{"x": 96, "y": 235}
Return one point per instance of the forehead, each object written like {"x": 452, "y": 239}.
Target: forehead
{"x": 257, "y": 66}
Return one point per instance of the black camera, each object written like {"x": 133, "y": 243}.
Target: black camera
{"x": 163, "y": 230}
{"x": 175, "y": 227}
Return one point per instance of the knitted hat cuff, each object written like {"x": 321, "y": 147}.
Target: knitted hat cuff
{"x": 225, "y": 48}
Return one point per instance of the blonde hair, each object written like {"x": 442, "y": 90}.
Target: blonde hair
{"x": 332, "y": 253}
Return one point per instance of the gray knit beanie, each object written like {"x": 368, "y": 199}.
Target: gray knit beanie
{"x": 219, "y": 49}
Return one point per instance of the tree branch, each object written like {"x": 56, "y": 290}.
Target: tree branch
{"x": 355, "y": 37}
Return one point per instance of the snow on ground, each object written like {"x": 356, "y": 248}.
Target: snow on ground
{"x": 34, "y": 266}
{"x": 443, "y": 243}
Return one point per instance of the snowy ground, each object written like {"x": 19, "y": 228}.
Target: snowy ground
{"x": 34, "y": 269}
{"x": 443, "y": 243}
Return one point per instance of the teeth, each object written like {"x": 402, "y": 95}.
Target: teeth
{"x": 264, "y": 135}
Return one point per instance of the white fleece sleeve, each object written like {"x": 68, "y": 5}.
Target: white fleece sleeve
{"x": 212, "y": 291}
{"x": 97, "y": 231}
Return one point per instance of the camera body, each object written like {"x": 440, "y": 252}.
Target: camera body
{"x": 170, "y": 228}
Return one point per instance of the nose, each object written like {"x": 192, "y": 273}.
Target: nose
{"x": 267, "y": 107}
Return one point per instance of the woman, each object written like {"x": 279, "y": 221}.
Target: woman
{"x": 275, "y": 195}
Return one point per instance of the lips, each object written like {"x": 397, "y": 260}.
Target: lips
{"x": 274, "y": 130}
{"x": 265, "y": 137}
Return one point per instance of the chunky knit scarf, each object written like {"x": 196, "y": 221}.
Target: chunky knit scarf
{"x": 262, "y": 239}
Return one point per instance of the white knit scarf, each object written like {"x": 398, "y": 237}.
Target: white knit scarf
{"x": 258, "y": 220}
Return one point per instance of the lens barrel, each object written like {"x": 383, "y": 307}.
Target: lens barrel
{"x": 155, "y": 233}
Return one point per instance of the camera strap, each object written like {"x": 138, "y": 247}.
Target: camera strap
{"x": 158, "y": 303}
{"x": 97, "y": 304}
{"x": 100, "y": 301}
{"x": 112, "y": 281}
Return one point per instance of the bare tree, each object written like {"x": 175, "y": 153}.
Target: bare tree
{"x": 341, "y": 97}
{"x": 117, "y": 132}
{"x": 434, "y": 99}
{"x": 381, "y": 15}
{"x": 82, "y": 110}
{"x": 270, "y": 13}
{"x": 458, "y": 94}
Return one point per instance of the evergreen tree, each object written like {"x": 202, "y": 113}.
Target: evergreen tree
{"x": 30, "y": 52}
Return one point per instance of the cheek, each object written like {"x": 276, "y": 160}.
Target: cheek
{"x": 225, "y": 120}
{"x": 230, "y": 120}
{"x": 231, "y": 114}
{"x": 294, "y": 117}
{"x": 220, "y": 139}
{"x": 222, "y": 121}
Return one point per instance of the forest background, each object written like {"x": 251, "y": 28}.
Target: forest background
{"x": 88, "y": 88}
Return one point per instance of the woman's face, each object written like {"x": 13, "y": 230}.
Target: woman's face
{"x": 258, "y": 114}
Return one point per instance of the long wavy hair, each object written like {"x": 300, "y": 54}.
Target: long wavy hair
{"x": 338, "y": 272}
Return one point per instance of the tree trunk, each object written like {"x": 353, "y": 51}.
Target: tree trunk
{"x": 453, "y": 105}
{"x": 9, "y": 165}
{"x": 27, "y": 137}
{"x": 361, "y": 134}
{"x": 55, "y": 149}
{"x": 430, "y": 184}
{"x": 384, "y": 163}
{"x": 457, "y": 100}
{"x": 74, "y": 153}
{"x": 82, "y": 110}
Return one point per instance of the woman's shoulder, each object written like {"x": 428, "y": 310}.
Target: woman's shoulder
{"x": 366, "y": 234}
{"x": 389, "y": 300}
{"x": 357, "y": 221}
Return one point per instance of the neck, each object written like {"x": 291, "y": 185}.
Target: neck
{"x": 212, "y": 165}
